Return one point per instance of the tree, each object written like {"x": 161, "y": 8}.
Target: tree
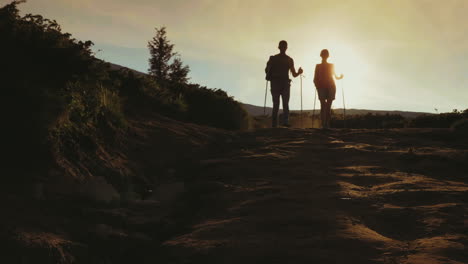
{"x": 165, "y": 64}
{"x": 178, "y": 72}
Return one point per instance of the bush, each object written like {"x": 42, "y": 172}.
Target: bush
{"x": 443, "y": 120}
{"x": 460, "y": 125}
{"x": 142, "y": 93}
{"x": 57, "y": 97}
{"x": 37, "y": 63}
{"x": 212, "y": 107}
{"x": 370, "y": 121}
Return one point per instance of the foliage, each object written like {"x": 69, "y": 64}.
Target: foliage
{"x": 213, "y": 107}
{"x": 143, "y": 93}
{"x": 201, "y": 105}
{"x": 55, "y": 91}
{"x": 178, "y": 72}
{"x": 442, "y": 120}
{"x": 165, "y": 64}
{"x": 461, "y": 125}
{"x": 369, "y": 121}
{"x": 38, "y": 61}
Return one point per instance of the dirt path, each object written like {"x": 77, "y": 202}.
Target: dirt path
{"x": 309, "y": 196}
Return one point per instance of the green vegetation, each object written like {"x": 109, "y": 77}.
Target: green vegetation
{"x": 442, "y": 120}
{"x": 212, "y": 107}
{"x": 165, "y": 64}
{"x": 369, "y": 121}
{"x": 59, "y": 100}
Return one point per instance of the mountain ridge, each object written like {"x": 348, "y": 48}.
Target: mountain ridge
{"x": 254, "y": 110}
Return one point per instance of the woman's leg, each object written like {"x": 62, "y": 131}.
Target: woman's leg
{"x": 323, "y": 112}
{"x": 329, "y": 104}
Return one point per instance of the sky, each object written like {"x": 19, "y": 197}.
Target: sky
{"x": 407, "y": 55}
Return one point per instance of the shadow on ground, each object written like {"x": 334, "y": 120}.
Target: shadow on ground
{"x": 339, "y": 196}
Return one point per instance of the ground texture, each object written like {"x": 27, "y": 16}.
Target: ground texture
{"x": 266, "y": 196}
{"x": 339, "y": 196}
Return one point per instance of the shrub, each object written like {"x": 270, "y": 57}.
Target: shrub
{"x": 213, "y": 107}
{"x": 460, "y": 125}
{"x": 56, "y": 93}
{"x": 370, "y": 121}
{"x": 443, "y": 120}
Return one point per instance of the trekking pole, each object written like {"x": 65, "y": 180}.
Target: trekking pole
{"x": 344, "y": 104}
{"x": 302, "y": 125}
{"x": 313, "y": 112}
{"x": 264, "y": 105}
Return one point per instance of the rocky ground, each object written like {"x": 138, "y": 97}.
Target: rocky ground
{"x": 270, "y": 196}
{"x": 339, "y": 196}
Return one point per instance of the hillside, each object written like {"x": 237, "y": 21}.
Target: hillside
{"x": 90, "y": 144}
{"x": 112, "y": 207}
{"x": 116, "y": 67}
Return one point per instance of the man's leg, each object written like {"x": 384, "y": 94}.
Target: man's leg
{"x": 285, "y": 93}
{"x": 275, "y": 95}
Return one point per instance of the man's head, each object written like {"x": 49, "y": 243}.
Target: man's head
{"x": 283, "y": 46}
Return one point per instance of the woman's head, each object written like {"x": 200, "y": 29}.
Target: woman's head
{"x": 324, "y": 54}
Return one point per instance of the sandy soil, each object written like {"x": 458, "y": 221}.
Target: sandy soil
{"x": 339, "y": 196}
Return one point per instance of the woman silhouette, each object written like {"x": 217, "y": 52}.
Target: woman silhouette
{"x": 326, "y": 88}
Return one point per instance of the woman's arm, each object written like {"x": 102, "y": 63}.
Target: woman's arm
{"x": 336, "y": 76}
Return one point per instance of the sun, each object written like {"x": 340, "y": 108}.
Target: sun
{"x": 347, "y": 59}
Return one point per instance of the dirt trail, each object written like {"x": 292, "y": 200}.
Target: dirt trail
{"x": 310, "y": 196}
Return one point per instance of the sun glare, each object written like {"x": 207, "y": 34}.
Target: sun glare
{"x": 348, "y": 60}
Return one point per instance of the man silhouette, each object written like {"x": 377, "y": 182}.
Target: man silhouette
{"x": 277, "y": 72}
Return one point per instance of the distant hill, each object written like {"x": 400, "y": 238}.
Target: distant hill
{"x": 258, "y": 111}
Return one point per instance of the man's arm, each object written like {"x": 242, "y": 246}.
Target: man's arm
{"x": 316, "y": 75}
{"x": 268, "y": 66}
{"x": 293, "y": 69}
{"x": 267, "y": 69}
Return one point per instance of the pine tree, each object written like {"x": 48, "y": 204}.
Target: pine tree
{"x": 165, "y": 64}
{"x": 178, "y": 72}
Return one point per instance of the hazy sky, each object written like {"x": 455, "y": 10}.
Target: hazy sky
{"x": 398, "y": 54}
